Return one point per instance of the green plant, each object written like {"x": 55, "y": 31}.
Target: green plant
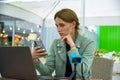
{"x": 116, "y": 54}
{"x": 100, "y": 52}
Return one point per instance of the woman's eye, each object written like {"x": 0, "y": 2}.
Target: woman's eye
{"x": 62, "y": 25}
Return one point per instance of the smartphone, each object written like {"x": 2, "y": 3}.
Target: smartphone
{"x": 40, "y": 43}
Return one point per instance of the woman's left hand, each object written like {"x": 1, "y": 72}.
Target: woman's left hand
{"x": 68, "y": 39}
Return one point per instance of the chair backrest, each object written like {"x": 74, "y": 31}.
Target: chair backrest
{"x": 102, "y": 68}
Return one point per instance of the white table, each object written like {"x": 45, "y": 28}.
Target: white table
{"x": 116, "y": 71}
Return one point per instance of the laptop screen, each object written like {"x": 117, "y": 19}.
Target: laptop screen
{"x": 16, "y": 62}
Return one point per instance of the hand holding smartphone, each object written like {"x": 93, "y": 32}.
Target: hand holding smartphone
{"x": 40, "y": 44}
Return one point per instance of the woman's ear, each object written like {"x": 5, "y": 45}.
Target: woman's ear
{"x": 74, "y": 24}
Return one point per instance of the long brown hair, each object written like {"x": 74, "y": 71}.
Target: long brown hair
{"x": 69, "y": 16}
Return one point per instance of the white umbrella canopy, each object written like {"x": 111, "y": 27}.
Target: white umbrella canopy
{"x": 45, "y": 9}
{"x": 40, "y": 8}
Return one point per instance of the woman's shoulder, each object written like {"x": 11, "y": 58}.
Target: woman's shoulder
{"x": 83, "y": 38}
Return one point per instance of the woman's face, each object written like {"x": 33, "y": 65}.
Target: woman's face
{"x": 64, "y": 28}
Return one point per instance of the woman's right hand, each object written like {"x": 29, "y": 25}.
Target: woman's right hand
{"x": 37, "y": 53}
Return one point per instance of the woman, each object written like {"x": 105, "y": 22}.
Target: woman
{"x": 71, "y": 42}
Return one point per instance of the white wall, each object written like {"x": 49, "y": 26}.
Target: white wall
{"x": 109, "y": 20}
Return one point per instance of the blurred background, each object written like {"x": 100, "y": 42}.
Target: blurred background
{"x": 99, "y": 20}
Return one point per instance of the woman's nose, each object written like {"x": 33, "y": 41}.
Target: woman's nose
{"x": 58, "y": 29}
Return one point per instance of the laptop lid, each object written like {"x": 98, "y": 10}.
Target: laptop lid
{"x": 16, "y": 62}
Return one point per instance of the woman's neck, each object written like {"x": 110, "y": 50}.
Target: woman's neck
{"x": 74, "y": 36}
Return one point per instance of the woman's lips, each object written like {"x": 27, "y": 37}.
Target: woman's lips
{"x": 61, "y": 34}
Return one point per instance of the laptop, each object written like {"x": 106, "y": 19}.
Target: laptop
{"x": 17, "y": 63}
